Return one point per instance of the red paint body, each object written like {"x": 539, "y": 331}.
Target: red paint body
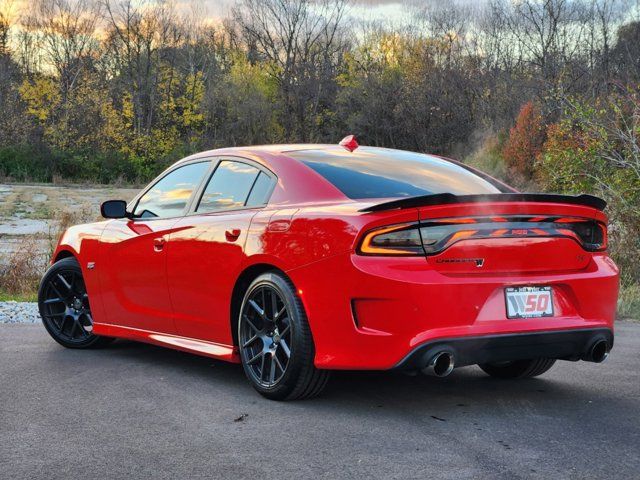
{"x": 170, "y": 281}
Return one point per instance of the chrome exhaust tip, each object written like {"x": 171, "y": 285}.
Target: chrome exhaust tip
{"x": 598, "y": 352}
{"x": 440, "y": 365}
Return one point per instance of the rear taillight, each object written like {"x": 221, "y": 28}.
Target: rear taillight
{"x": 435, "y": 236}
{"x": 400, "y": 240}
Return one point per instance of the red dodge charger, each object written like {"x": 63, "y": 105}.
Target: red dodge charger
{"x": 295, "y": 260}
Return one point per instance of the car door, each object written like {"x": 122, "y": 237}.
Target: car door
{"x": 206, "y": 248}
{"x": 132, "y": 267}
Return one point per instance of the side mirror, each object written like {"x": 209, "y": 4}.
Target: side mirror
{"x": 114, "y": 209}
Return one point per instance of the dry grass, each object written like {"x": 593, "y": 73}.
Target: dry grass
{"x": 65, "y": 219}
{"x": 21, "y": 271}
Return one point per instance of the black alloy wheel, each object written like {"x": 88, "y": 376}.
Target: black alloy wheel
{"x": 64, "y": 306}
{"x": 276, "y": 347}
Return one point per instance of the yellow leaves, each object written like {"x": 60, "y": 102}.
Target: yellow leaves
{"x": 252, "y": 77}
{"x": 190, "y": 102}
{"x": 127, "y": 110}
{"x": 42, "y": 97}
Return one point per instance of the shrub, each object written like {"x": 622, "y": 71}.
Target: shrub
{"x": 596, "y": 149}
{"x": 525, "y": 142}
{"x": 20, "y": 272}
{"x": 24, "y": 163}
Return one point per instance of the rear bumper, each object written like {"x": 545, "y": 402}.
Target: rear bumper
{"x": 567, "y": 345}
{"x": 372, "y": 313}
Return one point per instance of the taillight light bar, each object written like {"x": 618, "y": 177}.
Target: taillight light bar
{"x": 432, "y": 237}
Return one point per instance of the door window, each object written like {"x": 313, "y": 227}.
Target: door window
{"x": 228, "y": 187}
{"x": 170, "y": 195}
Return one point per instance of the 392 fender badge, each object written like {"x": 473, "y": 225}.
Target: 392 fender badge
{"x": 91, "y": 265}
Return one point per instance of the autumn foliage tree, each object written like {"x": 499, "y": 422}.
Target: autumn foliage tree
{"x": 525, "y": 143}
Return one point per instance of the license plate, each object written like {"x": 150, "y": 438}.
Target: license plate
{"x": 529, "y": 302}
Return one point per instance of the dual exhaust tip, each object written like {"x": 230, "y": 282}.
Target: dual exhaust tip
{"x": 598, "y": 352}
{"x": 440, "y": 365}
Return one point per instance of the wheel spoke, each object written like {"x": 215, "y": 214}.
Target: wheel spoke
{"x": 285, "y": 330}
{"x": 53, "y": 300}
{"x": 272, "y": 370}
{"x": 274, "y": 305}
{"x": 275, "y": 357}
{"x": 62, "y": 324}
{"x": 55, "y": 289}
{"x": 250, "y": 341}
{"x": 72, "y": 282}
{"x": 248, "y": 320}
{"x": 254, "y": 359}
{"x": 79, "y": 326}
{"x": 65, "y": 283}
{"x": 262, "y": 367}
{"x": 74, "y": 325}
{"x": 277, "y": 315}
{"x": 257, "y": 308}
{"x": 285, "y": 347}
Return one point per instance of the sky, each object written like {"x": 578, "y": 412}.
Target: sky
{"x": 394, "y": 10}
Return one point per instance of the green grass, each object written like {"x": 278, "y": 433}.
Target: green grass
{"x": 18, "y": 297}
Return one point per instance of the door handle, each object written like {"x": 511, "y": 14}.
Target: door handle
{"x": 232, "y": 235}
{"x": 158, "y": 244}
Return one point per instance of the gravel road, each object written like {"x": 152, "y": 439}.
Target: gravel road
{"x": 139, "y": 411}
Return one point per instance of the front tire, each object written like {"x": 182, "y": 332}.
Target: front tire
{"x": 64, "y": 306}
{"x": 275, "y": 342}
{"x": 518, "y": 368}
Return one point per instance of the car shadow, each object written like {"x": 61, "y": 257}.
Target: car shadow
{"x": 466, "y": 390}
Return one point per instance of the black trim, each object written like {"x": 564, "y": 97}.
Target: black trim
{"x": 564, "y": 344}
{"x": 449, "y": 198}
{"x": 193, "y": 209}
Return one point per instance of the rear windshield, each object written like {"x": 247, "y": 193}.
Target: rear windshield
{"x": 384, "y": 173}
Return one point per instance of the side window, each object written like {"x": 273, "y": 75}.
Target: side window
{"x": 228, "y": 187}
{"x": 170, "y": 195}
{"x": 261, "y": 189}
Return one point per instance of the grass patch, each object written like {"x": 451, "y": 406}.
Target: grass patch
{"x": 18, "y": 297}
{"x": 629, "y": 301}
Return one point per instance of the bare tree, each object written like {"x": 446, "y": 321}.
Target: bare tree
{"x": 301, "y": 43}
{"x": 7, "y": 15}
{"x": 141, "y": 37}
{"x": 65, "y": 31}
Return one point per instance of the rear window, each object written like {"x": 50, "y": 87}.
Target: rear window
{"x": 384, "y": 173}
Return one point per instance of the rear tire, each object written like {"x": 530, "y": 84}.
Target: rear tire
{"x": 275, "y": 342}
{"x": 64, "y": 306}
{"x": 518, "y": 368}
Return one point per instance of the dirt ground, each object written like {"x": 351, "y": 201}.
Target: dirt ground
{"x": 33, "y": 213}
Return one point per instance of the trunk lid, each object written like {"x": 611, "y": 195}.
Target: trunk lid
{"x": 511, "y": 237}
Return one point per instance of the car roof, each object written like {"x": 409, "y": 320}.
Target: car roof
{"x": 306, "y": 184}
{"x": 257, "y": 149}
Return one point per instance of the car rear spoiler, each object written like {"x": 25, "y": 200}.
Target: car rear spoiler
{"x": 449, "y": 198}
